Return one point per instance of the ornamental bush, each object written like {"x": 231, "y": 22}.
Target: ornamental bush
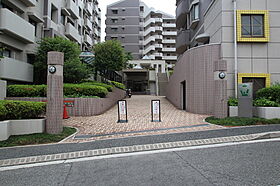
{"x": 10, "y": 110}
{"x": 263, "y": 102}
{"x": 91, "y": 82}
{"x": 84, "y": 90}
{"x": 118, "y": 85}
{"x": 271, "y": 93}
{"x": 232, "y": 102}
{"x": 70, "y": 90}
{"x": 27, "y": 91}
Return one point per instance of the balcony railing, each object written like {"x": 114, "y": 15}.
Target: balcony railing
{"x": 87, "y": 39}
{"x": 29, "y": 2}
{"x": 89, "y": 8}
{"x": 73, "y": 8}
{"x": 12, "y": 69}
{"x": 169, "y": 33}
{"x": 16, "y": 26}
{"x": 72, "y": 33}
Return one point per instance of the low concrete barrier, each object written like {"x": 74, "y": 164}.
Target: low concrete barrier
{"x": 261, "y": 112}
{"x": 21, "y": 127}
{"x": 86, "y": 106}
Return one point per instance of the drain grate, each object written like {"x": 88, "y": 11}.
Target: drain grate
{"x": 139, "y": 131}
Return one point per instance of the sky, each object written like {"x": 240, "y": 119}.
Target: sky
{"x": 167, "y": 6}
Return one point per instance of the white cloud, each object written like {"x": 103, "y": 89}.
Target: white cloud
{"x": 167, "y": 6}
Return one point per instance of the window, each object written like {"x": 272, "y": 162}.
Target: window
{"x": 114, "y": 29}
{"x": 195, "y": 12}
{"x": 62, "y": 19}
{"x": 54, "y": 13}
{"x": 114, "y": 20}
{"x": 7, "y": 53}
{"x": 252, "y": 25}
{"x": 115, "y": 11}
{"x": 141, "y": 8}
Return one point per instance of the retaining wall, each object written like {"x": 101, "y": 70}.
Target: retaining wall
{"x": 86, "y": 106}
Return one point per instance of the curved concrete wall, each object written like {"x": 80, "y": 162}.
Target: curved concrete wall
{"x": 197, "y": 68}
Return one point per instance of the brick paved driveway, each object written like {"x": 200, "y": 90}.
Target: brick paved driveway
{"x": 139, "y": 121}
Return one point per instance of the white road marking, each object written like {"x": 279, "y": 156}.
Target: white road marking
{"x": 133, "y": 154}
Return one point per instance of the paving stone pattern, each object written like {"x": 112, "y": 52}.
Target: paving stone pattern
{"x": 139, "y": 120}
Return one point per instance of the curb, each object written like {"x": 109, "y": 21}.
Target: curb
{"x": 135, "y": 148}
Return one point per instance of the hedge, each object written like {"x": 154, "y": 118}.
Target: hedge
{"x": 10, "y": 110}
{"x": 75, "y": 90}
{"x": 27, "y": 91}
{"x": 90, "y": 82}
{"x": 84, "y": 90}
{"x": 118, "y": 85}
{"x": 271, "y": 93}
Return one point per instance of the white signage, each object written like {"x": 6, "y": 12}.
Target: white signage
{"x": 155, "y": 107}
{"x": 122, "y": 107}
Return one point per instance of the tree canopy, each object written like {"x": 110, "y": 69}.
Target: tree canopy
{"x": 73, "y": 72}
{"x": 110, "y": 55}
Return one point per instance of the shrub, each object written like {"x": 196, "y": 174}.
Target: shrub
{"x": 91, "y": 82}
{"x": 70, "y": 90}
{"x": 271, "y": 93}
{"x": 84, "y": 90}
{"x": 27, "y": 91}
{"x": 21, "y": 109}
{"x": 118, "y": 85}
{"x": 232, "y": 102}
{"x": 3, "y": 111}
{"x": 263, "y": 102}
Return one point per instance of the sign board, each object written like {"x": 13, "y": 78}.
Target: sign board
{"x": 69, "y": 103}
{"x": 245, "y": 90}
{"x": 122, "y": 110}
{"x": 155, "y": 110}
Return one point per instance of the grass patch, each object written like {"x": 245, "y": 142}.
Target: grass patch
{"x": 31, "y": 139}
{"x": 237, "y": 121}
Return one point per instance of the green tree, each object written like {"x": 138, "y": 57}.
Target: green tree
{"x": 110, "y": 55}
{"x": 73, "y": 71}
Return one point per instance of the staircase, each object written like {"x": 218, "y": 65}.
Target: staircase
{"x": 162, "y": 84}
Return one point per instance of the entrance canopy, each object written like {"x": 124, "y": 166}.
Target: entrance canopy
{"x": 87, "y": 57}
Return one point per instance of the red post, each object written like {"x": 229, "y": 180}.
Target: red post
{"x": 65, "y": 114}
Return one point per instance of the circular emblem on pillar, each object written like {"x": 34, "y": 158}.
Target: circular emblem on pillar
{"x": 52, "y": 69}
{"x": 222, "y": 75}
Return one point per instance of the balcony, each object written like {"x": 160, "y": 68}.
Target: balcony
{"x": 87, "y": 39}
{"x": 158, "y": 37}
{"x": 169, "y": 33}
{"x": 169, "y": 49}
{"x": 29, "y": 2}
{"x": 12, "y": 69}
{"x": 72, "y": 33}
{"x": 89, "y": 8}
{"x": 169, "y": 25}
{"x": 148, "y": 31}
{"x": 158, "y": 46}
{"x": 181, "y": 13}
{"x": 158, "y": 54}
{"x": 157, "y": 28}
{"x": 169, "y": 41}
{"x": 150, "y": 39}
{"x": 72, "y": 8}
{"x": 169, "y": 57}
{"x": 150, "y": 48}
{"x": 14, "y": 25}
{"x": 183, "y": 41}
{"x": 88, "y": 24}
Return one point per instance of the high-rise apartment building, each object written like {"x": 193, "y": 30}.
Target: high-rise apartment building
{"x": 25, "y": 22}
{"x": 143, "y": 31}
{"x": 250, "y": 47}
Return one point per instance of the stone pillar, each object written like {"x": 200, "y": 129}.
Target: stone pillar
{"x": 3, "y": 89}
{"x": 55, "y": 93}
{"x": 221, "y": 107}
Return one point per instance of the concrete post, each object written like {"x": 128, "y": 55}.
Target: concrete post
{"x": 55, "y": 93}
{"x": 221, "y": 107}
{"x": 3, "y": 89}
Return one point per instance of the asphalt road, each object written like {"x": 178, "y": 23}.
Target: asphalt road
{"x": 256, "y": 164}
{"x": 140, "y": 140}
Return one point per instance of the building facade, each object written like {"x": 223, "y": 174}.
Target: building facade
{"x": 253, "y": 55}
{"x": 143, "y": 31}
{"x": 25, "y": 22}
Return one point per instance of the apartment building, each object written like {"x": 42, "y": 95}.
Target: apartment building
{"x": 25, "y": 22}
{"x": 143, "y": 31}
{"x": 253, "y": 55}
